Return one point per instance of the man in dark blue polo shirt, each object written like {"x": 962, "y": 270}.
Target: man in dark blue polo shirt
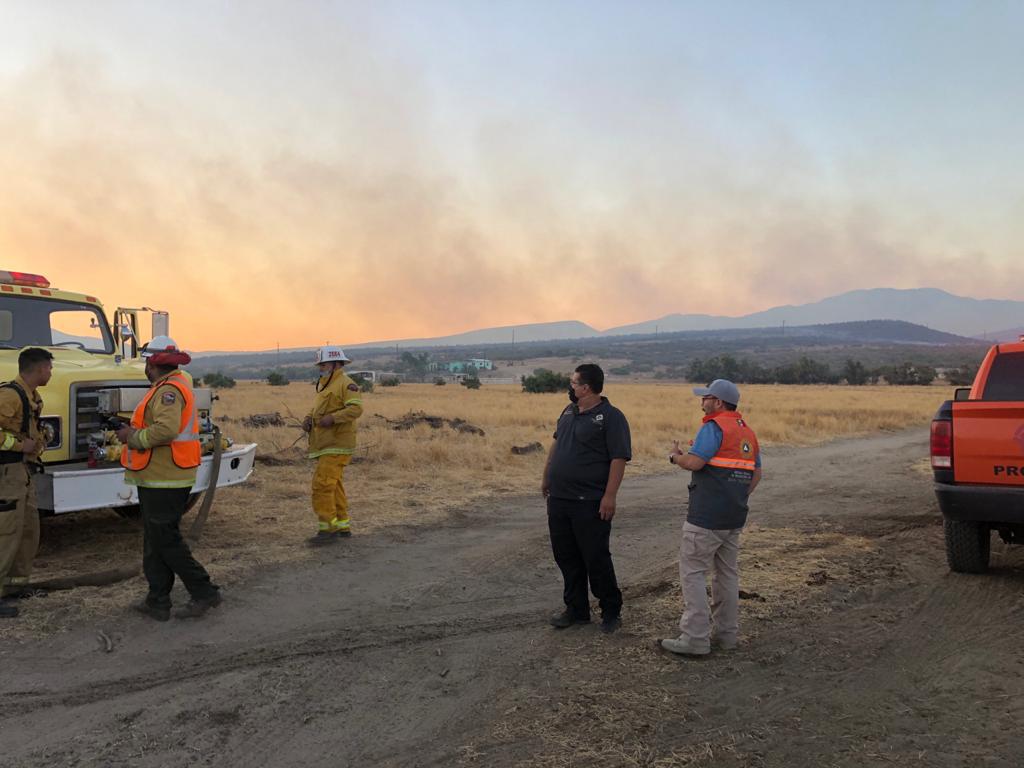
{"x": 581, "y": 479}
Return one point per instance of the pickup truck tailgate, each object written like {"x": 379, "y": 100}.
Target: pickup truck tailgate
{"x": 988, "y": 442}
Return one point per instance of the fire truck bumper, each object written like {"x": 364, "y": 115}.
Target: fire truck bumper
{"x": 76, "y": 487}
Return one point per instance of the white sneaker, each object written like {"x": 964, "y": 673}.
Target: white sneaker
{"x": 685, "y": 646}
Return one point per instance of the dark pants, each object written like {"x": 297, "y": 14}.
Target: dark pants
{"x": 579, "y": 541}
{"x": 164, "y": 551}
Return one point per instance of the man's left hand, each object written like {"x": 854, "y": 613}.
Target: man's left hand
{"x": 607, "y": 511}
{"x": 327, "y": 421}
{"x": 124, "y": 433}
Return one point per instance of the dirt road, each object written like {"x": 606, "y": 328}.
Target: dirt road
{"x": 429, "y": 647}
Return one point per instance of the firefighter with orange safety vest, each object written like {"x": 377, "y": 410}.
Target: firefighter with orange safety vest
{"x": 161, "y": 452}
{"x": 331, "y": 424}
{"x": 22, "y": 442}
{"x": 725, "y": 460}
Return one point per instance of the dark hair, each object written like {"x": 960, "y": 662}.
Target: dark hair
{"x": 592, "y": 376}
{"x": 31, "y": 357}
{"x": 727, "y": 406}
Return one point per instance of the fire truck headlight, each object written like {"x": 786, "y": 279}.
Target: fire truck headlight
{"x": 52, "y": 432}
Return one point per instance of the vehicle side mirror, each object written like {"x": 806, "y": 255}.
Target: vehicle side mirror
{"x": 126, "y": 332}
{"x": 962, "y": 393}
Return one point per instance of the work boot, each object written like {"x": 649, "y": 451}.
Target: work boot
{"x": 8, "y": 611}
{"x": 610, "y": 623}
{"x": 566, "y": 619}
{"x": 153, "y": 611}
{"x": 321, "y": 538}
{"x": 343, "y": 533}
{"x": 684, "y": 646}
{"x": 197, "y": 608}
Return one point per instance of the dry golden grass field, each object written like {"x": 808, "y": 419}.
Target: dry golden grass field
{"x": 416, "y": 476}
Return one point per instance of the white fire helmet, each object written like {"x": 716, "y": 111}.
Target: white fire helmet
{"x": 159, "y": 344}
{"x": 330, "y": 354}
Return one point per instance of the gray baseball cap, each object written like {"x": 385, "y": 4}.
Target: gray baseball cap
{"x": 724, "y": 390}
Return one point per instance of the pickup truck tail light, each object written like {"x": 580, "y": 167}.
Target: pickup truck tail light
{"x": 942, "y": 444}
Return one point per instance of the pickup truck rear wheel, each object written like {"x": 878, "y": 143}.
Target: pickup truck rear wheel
{"x": 967, "y": 546}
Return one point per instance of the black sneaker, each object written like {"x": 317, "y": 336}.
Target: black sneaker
{"x": 153, "y": 611}
{"x": 198, "y": 608}
{"x": 566, "y": 619}
{"x": 8, "y": 611}
{"x": 610, "y": 623}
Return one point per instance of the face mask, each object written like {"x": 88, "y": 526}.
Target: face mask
{"x": 572, "y": 396}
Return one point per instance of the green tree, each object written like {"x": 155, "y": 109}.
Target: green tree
{"x": 962, "y": 376}
{"x": 277, "y": 379}
{"x": 471, "y": 382}
{"x": 544, "y": 380}
{"x": 414, "y": 365}
{"x": 855, "y": 373}
{"x": 218, "y": 381}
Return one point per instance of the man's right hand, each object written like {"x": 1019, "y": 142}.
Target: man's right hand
{"x": 545, "y": 488}
{"x": 28, "y": 445}
{"x": 307, "y": 424}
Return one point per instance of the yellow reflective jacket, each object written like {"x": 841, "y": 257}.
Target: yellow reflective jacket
{"x": 11, "y": 417}
{"x": 338, "y": 396}
{"x": 162, "y": 422}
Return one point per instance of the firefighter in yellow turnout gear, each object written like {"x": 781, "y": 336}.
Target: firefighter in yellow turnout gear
{"x": 21, "y": 444}
{"x": 331, "y": 425}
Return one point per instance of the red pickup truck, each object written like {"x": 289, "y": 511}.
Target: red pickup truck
{"x": 977, "y": 448}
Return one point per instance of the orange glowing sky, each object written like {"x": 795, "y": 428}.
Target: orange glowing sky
{"x": 295, "y": 173}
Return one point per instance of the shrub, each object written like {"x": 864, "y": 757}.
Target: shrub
{"x": 438, "y": 381}
{"x": 961, "y": 377}
{"x": 277, "y": 379}
{"x": 471, "y": 382}
{"x": 364, "y": 384}
{"x": 390, "y": 381}
{"x": 909, "y": 374}
{"x": 218, "y": 381}
{"x": 544, "y": 380}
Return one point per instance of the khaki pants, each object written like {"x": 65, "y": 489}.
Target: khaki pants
{"x": 329, "y": 500}
{"x": 19, "y": 526}
{"x": 706, "y": 551}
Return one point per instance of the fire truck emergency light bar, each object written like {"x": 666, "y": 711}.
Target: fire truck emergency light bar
{"x": 23, "y": 278}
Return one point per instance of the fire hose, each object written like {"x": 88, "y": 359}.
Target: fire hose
{"x": 196, "y": 531}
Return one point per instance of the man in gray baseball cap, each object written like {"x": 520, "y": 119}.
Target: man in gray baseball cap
{"x": 722, "y": 389}
{"x": 726, "y": 464}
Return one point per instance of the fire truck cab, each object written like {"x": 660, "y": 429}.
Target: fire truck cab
{"x": 98, "y": 379}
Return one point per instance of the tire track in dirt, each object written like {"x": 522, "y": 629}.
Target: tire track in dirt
{"x": 435, "y": 651}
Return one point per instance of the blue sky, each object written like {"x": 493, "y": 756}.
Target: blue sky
{"x": 447, "y": 165}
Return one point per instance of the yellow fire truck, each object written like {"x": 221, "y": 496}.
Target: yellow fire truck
{"x": 98, "y": 379}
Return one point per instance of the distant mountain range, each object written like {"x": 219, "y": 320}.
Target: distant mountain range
{"x": 930, "y": 307}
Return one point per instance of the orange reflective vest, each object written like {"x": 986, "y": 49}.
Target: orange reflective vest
{"x": 186, "y": 450}
{"x": 739, "y": 447}
{"x": 719, "y": 491}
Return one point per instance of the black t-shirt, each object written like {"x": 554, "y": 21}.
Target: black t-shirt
{"x": 585, "y": 444}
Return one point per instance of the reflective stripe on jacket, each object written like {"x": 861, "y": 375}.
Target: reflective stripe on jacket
{"x": 719, "y": 491}
{"x": 185, "y": 449}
